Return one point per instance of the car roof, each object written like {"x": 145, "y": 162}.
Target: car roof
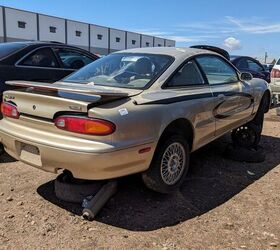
{"x": 234, "y": 57}
{"x": 37, "y": 44}
{"x": 43, "y": 43}
{"x": 171, "y": 51}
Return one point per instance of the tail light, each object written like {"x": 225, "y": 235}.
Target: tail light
{"x": 85, "y": 125}
{"x": 275, "y": 73}
{"x": 9, "y": 110}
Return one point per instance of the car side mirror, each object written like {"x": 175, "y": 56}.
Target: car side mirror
{"x": 246, "y": 76}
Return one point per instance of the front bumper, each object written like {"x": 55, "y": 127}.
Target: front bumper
{"x": 92, "y": 165}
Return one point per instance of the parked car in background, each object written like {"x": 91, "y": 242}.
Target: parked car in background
{"x": 268, "y": 66}
{"x": 275, "y": 82}
{"x": 136, "y": 111}
{"x": 40, "y": 61}
{"x": 251, "y": 65}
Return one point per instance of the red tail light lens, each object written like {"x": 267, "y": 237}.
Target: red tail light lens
{"x": 9, "y": 110}
{"x": 84, "y": 125}
{"x": 275, "y": 73}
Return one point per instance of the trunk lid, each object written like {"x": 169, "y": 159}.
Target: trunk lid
{"x": 45, "y": 100}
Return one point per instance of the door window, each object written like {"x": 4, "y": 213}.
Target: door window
{"x": 254, "y": 66}
{"x": 41, "y": 58}
{"x": 189, "y": 74}
{"x": 217, "y": 70}
{"x": 242, "y": 64}
{"x": 72, "y": 59}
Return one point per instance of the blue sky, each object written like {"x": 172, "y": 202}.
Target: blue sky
{"x": 242, "y": 27}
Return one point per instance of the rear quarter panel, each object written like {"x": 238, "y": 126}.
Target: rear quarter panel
{"x": 145, "y": 120}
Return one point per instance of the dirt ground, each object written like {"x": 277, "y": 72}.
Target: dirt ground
{"x": 223, "y": 204}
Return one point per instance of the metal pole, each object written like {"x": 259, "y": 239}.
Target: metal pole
{"x": 265, "y": 57}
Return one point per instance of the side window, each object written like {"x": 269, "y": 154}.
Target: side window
{"x": 189, "y": 74}
{"x": 242, "y": 64}
{"x": 217, "y": 70}
{"x": 254, "y": 66}
{"x": 41, "y": 58}
{"x": 72, "y": 59}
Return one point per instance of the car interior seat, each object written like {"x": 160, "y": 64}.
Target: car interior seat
{"x": 186, "y": 76}
{"x": 143, "y": 67}
{"x": 77, "y": 64}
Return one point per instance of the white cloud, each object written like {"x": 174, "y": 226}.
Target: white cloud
{"x": 173, "y": 36}
{"x": 254, "y": 25}
{"x": 232, "y": 43}
{"x": 183, "y": 39}
{"x": 232, "y": 25}
{"x": 187, "y": 39}
{"x": 152, "y": 32}
{"x": 206, "y": 28}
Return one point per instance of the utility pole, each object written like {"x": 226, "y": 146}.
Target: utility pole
{"x": 265, "y": 57}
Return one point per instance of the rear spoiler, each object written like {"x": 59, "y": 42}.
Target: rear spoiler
{"x": 218, "y": 50}
{"x": 76, "y": 88}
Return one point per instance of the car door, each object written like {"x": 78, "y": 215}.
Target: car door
{"x": 258, "y": 70}
{"x": 70, "y": 60}
{"x": 40, "y": 65}
{"x": 233, "y": 98}
{"x": 245, "y": 64}
{"x": 189, "y": 83}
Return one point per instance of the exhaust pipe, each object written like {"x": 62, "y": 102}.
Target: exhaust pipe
{"x": 93, "y": 205}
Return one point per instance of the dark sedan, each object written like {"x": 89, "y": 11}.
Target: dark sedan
{"x": 249, "y": 64}
{"x": 40, "y": 61}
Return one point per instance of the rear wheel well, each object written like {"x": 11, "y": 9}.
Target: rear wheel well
{"x": 180, "y": 127}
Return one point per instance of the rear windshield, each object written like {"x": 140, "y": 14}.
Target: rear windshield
{"x": 125, "y": 70}
{"x": 9, "y": 48}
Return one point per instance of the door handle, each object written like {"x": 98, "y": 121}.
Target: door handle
{"x": 221, "y": 97}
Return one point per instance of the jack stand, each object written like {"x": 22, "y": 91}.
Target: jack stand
{"x": 93, "y": 205}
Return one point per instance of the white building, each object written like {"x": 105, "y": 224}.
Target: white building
{"x": 18, "y": 25}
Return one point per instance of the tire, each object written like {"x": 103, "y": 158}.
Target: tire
{"x": 2, "y": 150}
{"x": 246, "y": 136}
{"x": 169, "y": 166}
{"x": 249, "y": 135}
{"x": 69, "y": 189}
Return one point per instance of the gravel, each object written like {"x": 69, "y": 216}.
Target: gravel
{"x": 222, "y": 204}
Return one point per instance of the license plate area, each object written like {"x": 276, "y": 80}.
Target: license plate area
{"x": 30, "y": 154}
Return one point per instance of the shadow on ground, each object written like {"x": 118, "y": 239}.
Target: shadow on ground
{"x": 212, "y": 181}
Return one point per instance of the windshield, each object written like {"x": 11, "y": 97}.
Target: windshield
{"x": 126, "y": 70}
{"x": 9, "y": 48}
{"x": 278, "y": 63}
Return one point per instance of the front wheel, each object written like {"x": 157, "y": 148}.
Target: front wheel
{"x": 246, "y": 136}
{"x": 169, "y": 165}
{"x": 249, "y": 135}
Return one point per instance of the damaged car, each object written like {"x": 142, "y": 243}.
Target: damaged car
{"x": 141, "y": 110}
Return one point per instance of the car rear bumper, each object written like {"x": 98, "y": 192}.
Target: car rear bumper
{"x": 83, "y": 164}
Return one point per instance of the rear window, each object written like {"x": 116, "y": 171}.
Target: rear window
{"x": 9, "y": 48}
{"x": 123, "y": 70}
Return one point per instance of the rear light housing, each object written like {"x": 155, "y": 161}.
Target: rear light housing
{"x": 275, "y": 73}
{"x": 9, "y": 110}
{"x": 85, "y": 125}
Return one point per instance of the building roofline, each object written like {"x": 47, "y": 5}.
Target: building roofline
{"x": 71, "y": 20}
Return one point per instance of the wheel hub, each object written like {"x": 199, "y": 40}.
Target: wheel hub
{"x": 245, "y": 136}
{"x": 173, "y": 163}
